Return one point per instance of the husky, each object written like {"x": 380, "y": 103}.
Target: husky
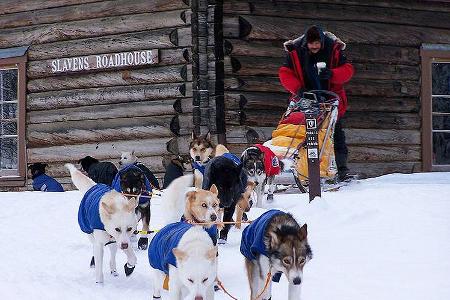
{"x": 244, "y": 204}
{"x": 275, "y": 244}
{"x": 108, "y": 218}
{"x": 201, "y": 150}
{"x": 183, "y": 251}
{"x": 261, "y": 166}
{"x": 101, "y": 172}
{"x": 130, "y": 158}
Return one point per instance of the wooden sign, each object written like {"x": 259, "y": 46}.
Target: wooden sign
{"x": 104, "y": 61}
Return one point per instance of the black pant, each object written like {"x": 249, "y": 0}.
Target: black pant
{"x": 340, "y": 148}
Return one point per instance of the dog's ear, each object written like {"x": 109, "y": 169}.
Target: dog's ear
{"x": 273, "y": 240}
{"x": 132, "y": 204}
{"x": 211, "y": 254}
{"x": 214, "y": 190}
{"x": 208, "y": 136}
{"x": 109, "y": 209}
{"x": 179, "y": 254}
{"x": 303, "y": 232}
{"x": 190, "y": 196}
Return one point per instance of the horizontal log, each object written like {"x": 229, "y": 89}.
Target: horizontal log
{"x": 356, "y": 137}
{"x": 371, "y": 153}
{"x": 373, "y": 169}
{"x": 381, "y": 136}
{"x": 357, "y": 53}
{"x": 383, "y": 104}
{"x": 356, "y": 87}
{"x": 88, "y": 11}
{"x": 102, "y": 150}
{"x": 12, "y": 6}
{"x": 109, "y": 111}
{"x": 267, "y": 28}
{"x": 38, "y": 69}
{"x": 73, "y": 136}
{"x": 254, "y": 66}
{"x": 255, "y": 100}
{"x": 151, "y": 39}
{"x": 47, "y": 33}
{"x": 322, "y": 11}
{"x": 154, "y": 163}
{"x": 385, "y": 120}
{"x": 106, "y": 95}
{"x": 149, "y": 75}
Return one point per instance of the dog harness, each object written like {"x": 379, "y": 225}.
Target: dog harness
{"x": 252, "y": 241}
{"x": 197, "y": 166}
{"x": 148, "y": 186}
{"x": 271, "y": 162}
{"x": 45, "y": 183}
{"x": 88, "y": 213}
{"x": 160, "y": 253}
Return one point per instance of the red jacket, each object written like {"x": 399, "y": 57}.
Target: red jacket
{"x": 271, "y": 162}
{"x": 291, "y": 77}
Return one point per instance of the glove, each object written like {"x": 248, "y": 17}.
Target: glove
{"x": 325, "y": 74}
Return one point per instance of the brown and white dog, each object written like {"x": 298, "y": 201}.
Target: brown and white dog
{"x": 109, "y": 218}
{"x": 275, "y": 244}
{"x": 245, "y": 203}
{"x": 201, "y": 148}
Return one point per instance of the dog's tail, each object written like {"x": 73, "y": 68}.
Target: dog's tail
{"x": 174, "y": 198}
{"x": 81, "y": 181}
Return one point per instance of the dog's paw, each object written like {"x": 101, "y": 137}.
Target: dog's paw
{"x": 92, "y": 264}
{"x": 143, "y": 243}
{"x": 128, "y": 269}
{"x": 220, "y": 226}
{"x": 114, "y": 273}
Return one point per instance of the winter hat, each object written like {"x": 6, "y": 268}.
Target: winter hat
{"x": 313, "y": 35}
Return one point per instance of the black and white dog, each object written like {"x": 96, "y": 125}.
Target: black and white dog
{"x": 261, "y": 166}
{"x": 100, "y": 172}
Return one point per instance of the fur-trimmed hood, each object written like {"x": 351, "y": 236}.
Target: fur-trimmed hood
{"x": 289, "y": 45}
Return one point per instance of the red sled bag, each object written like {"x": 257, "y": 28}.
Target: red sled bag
{"x": 271, "y": 162}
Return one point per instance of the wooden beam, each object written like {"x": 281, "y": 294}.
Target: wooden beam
{"x": 87, "y": 11}
{"x": 149, "y": 75}
{"x": 347, "y": 12}
{"x": 267, "y": 28}
{"x": 372, "y": 169}
{"x": 101, "y": 150}
{"x": 106, "y": 95}
{"x": 256, "y": 100}
{"x": 383, "y": 104}
{"x": 12, "y": 6}
{"x": 47, "y": 33}
{"x": 150, "y": 39}
{"x": 373, "y": 153}
{"x": 109, "y": 111}
{"x": 385, "y": 120}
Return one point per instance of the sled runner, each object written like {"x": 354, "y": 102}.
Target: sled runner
{"x": 289, "y": 138}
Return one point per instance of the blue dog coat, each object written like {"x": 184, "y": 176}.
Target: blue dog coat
{"x": 88, "y": 213}
{"x": 234, "y": 158}
{"x": 198, "y": 166}
{"x": 46, "y": 183}
{"x": 252, "y": 241}
{"x": 160, "y": 253}
{"x": 116, "y": 183}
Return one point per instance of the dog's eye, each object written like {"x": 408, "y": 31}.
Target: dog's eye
{"x": 128, "y": 190}
{"x": 301, "y": 260}
{"x": 129, "y": 229}
{"x": 203, "y": 150}
{"x": 204, "y": 205}
{"x": 190, "y": 280}
{"x": 215, "y": 205}
{"x": 204, "y": 280}
{"x": 287, "y": 261}
{"x": 118, "y": 229}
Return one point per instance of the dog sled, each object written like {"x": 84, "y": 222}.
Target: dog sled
{"x": 289, "y": 138}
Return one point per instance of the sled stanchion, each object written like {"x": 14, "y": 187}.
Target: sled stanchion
{"x": 312, "y": 145}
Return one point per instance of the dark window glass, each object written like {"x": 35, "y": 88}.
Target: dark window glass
{"x": 441, "y": 122}
{"x": 441, "y": 78}
{"x": 8, "y": 119}
{"x": 441, "y": 104}
{"x": 441, "y": 148}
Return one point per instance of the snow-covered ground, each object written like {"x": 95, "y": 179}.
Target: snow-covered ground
{"x": 382, "y": 238}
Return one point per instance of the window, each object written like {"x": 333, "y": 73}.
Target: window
{"x": 436, "y": 107}
{"x": 12, "y": 117}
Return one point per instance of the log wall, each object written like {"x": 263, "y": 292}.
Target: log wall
{"x": 101, "y": 112}
{"x": 383, "y": 41}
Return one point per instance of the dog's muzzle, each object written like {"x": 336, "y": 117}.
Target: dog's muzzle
{"x": 124, "y": 246}
{"x": 213, "y": 218}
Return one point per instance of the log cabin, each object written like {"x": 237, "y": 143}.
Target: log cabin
{"x": 91, "y": 77}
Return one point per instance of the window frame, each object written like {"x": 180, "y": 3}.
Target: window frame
{"x": 18, "y": 62}
{"x": 430, "y": 53}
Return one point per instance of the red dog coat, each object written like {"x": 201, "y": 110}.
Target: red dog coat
{"x": 271, "y": 162}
